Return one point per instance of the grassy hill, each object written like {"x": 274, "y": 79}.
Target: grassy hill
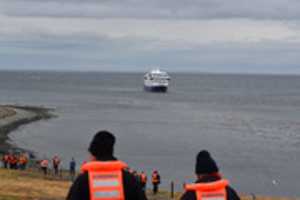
{"x": 32, "y": 185}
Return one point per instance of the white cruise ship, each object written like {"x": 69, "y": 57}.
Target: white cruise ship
{"x": 156, "y": 81}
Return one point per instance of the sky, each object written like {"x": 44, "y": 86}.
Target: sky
{"x": 232, "y": 36}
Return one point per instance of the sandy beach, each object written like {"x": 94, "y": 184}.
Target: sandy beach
{"x": 11, "y": 117}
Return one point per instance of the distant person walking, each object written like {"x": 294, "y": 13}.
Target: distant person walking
{"x": 209, "y": 181}
{"x": 13, "y": 161}
{"x": 136, "y": 175}
{"x": 72, "y": 169}
{"x": 5, "y": 160}
{"x": 143, "y": 178}
{"x": 44, "y": 166}
{"x": 55, "y": 163}
{"x": 23, "y": 160}
{"x": 104, "y": 177}
{"x": 155, "y": 181}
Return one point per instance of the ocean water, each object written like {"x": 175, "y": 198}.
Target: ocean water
{"x": 249, "y": 123}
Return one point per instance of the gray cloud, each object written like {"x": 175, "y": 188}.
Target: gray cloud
{"x": 166, "y": 9}
{"x": 130, "y": 54}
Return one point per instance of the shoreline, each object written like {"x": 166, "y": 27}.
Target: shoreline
{"x": 14, "y": 116}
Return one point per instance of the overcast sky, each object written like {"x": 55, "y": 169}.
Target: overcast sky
{"x": 242, "y": 36}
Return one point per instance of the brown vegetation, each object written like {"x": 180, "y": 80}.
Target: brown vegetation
{"x": 6, "y": 112}
{"x": 32, "y": 185}
{"x": 29, "y": 185}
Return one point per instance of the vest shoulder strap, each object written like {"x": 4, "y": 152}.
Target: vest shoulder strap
{"x": 208, "y": 186}
{"x": 209, "y": 191}
{"x": 103, "y": 166}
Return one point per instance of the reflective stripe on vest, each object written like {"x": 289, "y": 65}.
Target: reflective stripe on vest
{"x": 209, "y": 191}
{"x": 105, "y": 180}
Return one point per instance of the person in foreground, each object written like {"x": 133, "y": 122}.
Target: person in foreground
{"x": 104, "y": 177}
{"x": 209, "y": 184}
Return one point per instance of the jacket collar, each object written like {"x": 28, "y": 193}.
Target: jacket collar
{"x": 107, "y": 158}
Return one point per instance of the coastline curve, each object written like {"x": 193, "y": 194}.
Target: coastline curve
{"x": 14, "y": 116}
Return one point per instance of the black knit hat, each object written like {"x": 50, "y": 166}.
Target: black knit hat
{"x": 205, "y": 163}
{"x": 102, "y": 144}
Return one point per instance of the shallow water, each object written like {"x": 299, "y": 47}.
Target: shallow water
{"x": 250, "y": 123}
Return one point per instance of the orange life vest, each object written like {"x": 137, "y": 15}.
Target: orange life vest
{"x": 22, "y": 160}
{"x": 155, "y": 178}
{"x": 143, "y": 178}
{"x": 105, "y": 180}
{"x": 209, "y": 191}
{"x": 56, "y": 160}
{"x": 13, "y": 160}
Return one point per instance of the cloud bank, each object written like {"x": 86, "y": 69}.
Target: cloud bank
{"x": 155, "y": 9}
{"x": 131, "y": 35}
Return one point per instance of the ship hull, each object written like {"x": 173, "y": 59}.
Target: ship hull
{"x": 156, "y": 88}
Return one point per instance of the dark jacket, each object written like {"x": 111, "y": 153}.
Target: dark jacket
{"x": 132, "y": 188}
{"x": 191, "y": 195}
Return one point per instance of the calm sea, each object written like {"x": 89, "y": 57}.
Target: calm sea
{"x": 250, "y": 123}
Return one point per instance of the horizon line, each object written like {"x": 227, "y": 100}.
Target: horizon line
{"x": 140, "y": 71}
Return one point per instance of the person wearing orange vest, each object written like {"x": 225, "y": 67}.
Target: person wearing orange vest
{"x": 209, "y": 184}
{"x": 143, "y": 178}
{"x": 105, "y": 177}
{"x": 23, "y": 161}
{"x": 13, "y": 161}
{"x": 10, "y": 160}
{"x": 5, "y": 160}
{"x": 155, "y": 181}
{"x": 44, "y": 166}
{"x": 55, "y": 162}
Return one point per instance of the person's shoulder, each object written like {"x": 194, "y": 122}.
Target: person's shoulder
{"x": 188, "y": 195}
{"x": 130, "y": 180}
{"x": 82, "y": 178}
{"x": 129, "y": 176}
{"x": 132, "y": 187}
{"x": 232, "y": 194}
{"x": 80, "y": 188}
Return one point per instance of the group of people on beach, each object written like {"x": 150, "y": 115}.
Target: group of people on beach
{"x": 106, "y": 177}
{"x": 21, "y": 161}
{"x": 15, "y": 160}
{"x": 57, "y": 169}
{"x": 44, "y": 165}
